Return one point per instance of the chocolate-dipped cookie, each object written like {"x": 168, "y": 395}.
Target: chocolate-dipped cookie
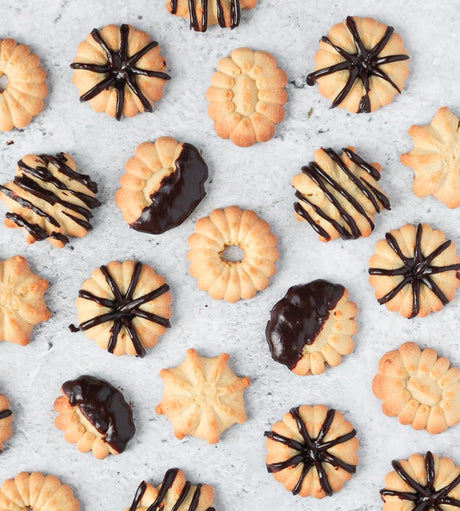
{"x": 312, "y": 326}
{"x": 6, "y": 417}
{"x": 163, "y": 184}
{"x": 95, "y": 416}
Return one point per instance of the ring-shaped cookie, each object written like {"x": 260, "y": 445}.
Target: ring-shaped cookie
{"x": 232, "y": 280}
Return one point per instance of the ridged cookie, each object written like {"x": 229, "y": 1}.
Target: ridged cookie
{"x": 6, "y": 417}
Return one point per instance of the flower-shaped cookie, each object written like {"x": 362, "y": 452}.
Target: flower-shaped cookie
{"x": 339, "y": 195}
{"x": 202, "y": 397}
{"x": 312, "y": 452}
{"x": 415, "y": 270}
{"x": 247, "y": 97}
{"x": 173, "y": 494}
{"x": 120, "y": 71}
{"x": 124, "y": 307}
{"x": 23, "y": 96}
{"x": 163, "y": 184}
{"x": 201, "y": 13}
{"x": 6, "y": 416}
{"x": 95, "y": 416}
{"x": 361, "y": 65}
{"x": 223, "y": 278}
{"x": 419, "y": 388}
{"x": 312, "y": 326}
{"x": 36, "y": 492}
{"x": 435, "y": 158}
{"x": 21, "y": 300}
{"x": 422, "y": 483}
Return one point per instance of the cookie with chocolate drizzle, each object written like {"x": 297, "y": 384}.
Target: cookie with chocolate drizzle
{"x": 124, "y": 307}
{"x": 422, "y": 483}
{"x": 173, "y": 494}
{"x": 120, "y": 71}
{"x": 94, "y": 416}
{"x": 163, "y": 184}
{"x": 202, "y": 13}
{"x": 415, "y": 270}
{"x": 6, "y": 417}
{"x": 361, "y": 65}
{"x": 312, "y": 451}
{"x": 339, "y": 195}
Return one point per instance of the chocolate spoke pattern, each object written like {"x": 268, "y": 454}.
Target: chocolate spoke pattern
{"x": 124, "y": 319}
{"x": 363, "y": 64}
{"x": 121, "y": 70}
{"x": 314, "y": 453}
{"x": 427, "y": 482}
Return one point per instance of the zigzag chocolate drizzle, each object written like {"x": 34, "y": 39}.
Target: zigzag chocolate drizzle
{"x": 235, "y": 14}
{"x": 32, "y": 182}
{"x": 120, "y": 71}
{"x": 168, "y": 481}
{"x": 424, "y": 497}
{"x": 378, "y": 199}
{"x": 312, "y": 452}
{"x": 123, "y": 309}
{"x": 416, "y": 271}
{"x": 5, "y": 413}
{"x": 361, "y": 65}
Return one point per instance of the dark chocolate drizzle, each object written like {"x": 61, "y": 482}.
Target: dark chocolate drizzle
{"x": 424, "y": 497}
{"x": 123, "y": 309}
{"x": 119, "y": 71}
{"x": 312, "y": 452}
{"x": 29, "y": 182}
{"x": 298, "y": 319}
{"x": 361, "y": 65}
{"x": 235, "y": 14}
{"x": 105, "y": 407}
{"x": 5, "y": 413}
{"x": 323, "y": 180}
{"x": 179, "y": 194}
{"x": 168, "y": 481}
{"x": 415, "y": 271}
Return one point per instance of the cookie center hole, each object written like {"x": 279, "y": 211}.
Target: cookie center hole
{"x": 233, "y": 254}
{"x": 3, "y": 82}
{"x": 424, "y": 390}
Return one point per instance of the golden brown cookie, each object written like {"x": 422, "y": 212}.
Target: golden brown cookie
{"x": 419, "y": 387}
{"x": 202, "y": 13}
{"x": 94, "y": 416}
{"x": 247, "y": 97}
{"x": 124, "y": 307}
{"x": 173, "y": 494}
{"x": 49, "y": 199}
{"x": 202, "y": 397}
{"x": 23, "y": 95}
{"x": 163, "y": 184}
{"x": 120, "y": 71}
{"x": 312, "y": 326}
{"x": 361, "y": 65}
{"x": 21, "y": 300}
{"x": 220, "y": 277}
{"x": 36, "y": 492}
{"x": 422, "y": 483}
{"x": 312, "y": 451}
{"x": 6, "y": 417}
{"x": 435, "y": 158}
{"x": 415, "y": 270}
{"x": 339, "y": 195}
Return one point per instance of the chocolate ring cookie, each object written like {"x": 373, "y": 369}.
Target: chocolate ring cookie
{"x": 23, "y": 95}
{"x": 95, "y": 416}
{"x": 312, "y": 452}
{"x": 312, "y": 326}
{"x": 124, "y": 307}
{"x": 415, "y": 270}
{"x": 361, "y": 65}
{"x": 163, "y": 184}
{"x": 6, "y": 417}
{"x": 223, "y": 278}
{"x": 120, "y": 71}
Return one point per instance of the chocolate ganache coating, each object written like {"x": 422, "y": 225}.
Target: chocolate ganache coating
{"x": 298, "y": 318}
{"x": 179, "y": 194}
{"x": 105, "y": 408}
{"x": 5, "y": 413}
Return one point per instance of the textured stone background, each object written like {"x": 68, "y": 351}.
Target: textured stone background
{"x": 257, "y": 178}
